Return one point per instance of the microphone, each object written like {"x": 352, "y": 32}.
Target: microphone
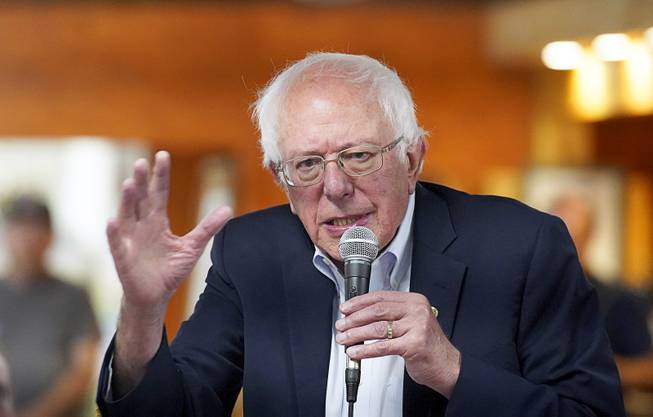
{"x": 358, "y": 247}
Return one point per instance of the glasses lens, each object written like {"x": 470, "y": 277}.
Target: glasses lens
{"x": 361, "y": 160}
{"x": 305, "y": 170}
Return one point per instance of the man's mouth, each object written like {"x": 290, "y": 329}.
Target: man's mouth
{"x": 348, "y": 221}
{"x": 336, "y": 226}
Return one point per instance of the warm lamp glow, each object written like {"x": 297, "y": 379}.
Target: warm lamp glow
{"x": 562, "y": 55}
{"x": 611, "y": 47}
{"x": 590, "y": 97}
{"x": 648, "y": 37}
{"x": 637, "y": 79}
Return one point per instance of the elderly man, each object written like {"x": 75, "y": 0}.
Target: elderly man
{"x": 517, "y": 333}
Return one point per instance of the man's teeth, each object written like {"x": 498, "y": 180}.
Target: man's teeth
{"x": 344, "y": 222}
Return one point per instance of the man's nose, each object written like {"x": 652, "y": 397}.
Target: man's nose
{"x": 337, "y": 184}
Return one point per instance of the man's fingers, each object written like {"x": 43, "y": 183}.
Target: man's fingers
{"x": 113, "y": 236}
{"x": 160, "y": 182}
{"x": 386, "y": 310}
{"x": 376, "y": 349}
{"x": 141, "y": 175}
{"x": 366, "y": 300}
{"x": 127, "y": 209}
{"x": 373, "y": 331}
{"x": 208, "y": 227}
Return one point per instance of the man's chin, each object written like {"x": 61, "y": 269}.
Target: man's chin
{"x": 331, "y": 249}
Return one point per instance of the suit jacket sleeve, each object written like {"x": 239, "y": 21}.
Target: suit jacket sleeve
{"x": 566, "y": 368}
{"x": 200, "y": 374}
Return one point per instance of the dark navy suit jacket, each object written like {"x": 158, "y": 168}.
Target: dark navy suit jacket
{"x": 505, "y": 278}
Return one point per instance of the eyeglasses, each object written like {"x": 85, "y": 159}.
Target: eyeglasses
{"x": 356, "y": 161}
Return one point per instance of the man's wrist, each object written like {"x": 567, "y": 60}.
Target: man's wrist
{"x": 137, "y": 340}
{"x": 142, "y": 314}
{"x": 129, "y": 362}
{"x": 452, "y": 374}
{"x": 445, "y": 376}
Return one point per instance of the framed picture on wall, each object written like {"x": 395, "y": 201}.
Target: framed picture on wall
{"x": 600, "y": 189}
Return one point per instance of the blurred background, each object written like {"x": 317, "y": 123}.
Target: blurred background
{"x": 529, "y": 99}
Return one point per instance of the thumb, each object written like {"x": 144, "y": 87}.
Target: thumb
{"x": 208, "y": 227}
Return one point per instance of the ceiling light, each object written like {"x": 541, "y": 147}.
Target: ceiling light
{"x": 562, "y": 55}
{"x": 637, "y": 83}
{"x": 590, "y": 93}
{"x": 611, "y": 46}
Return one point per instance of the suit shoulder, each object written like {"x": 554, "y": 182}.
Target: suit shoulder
{"x": 269, "y": 220}
{"x": 262, "y": 231}
{"x": 492, "y": 227}
{"x": 489, "y": 209}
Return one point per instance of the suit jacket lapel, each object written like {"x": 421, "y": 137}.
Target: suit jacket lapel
{"x": 439, "y": 278}
{"x": 309, "y": 300}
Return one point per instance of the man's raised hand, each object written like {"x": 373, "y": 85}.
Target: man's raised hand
{"x": 151, "y": 261}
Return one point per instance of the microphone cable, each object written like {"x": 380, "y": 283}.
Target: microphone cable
{"x": 352, "y": 381}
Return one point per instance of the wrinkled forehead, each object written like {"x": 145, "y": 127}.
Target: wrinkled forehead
{"x": 330, "y": 106}
{"x": 338, "y": 90}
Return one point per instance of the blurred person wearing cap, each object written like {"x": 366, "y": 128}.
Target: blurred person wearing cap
{"x": 47, "y": 327}
{"x": 517, "y": 331}
{"x": 623, "y": 310}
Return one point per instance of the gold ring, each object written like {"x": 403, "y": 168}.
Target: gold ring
{"x": 390, "y": 330}
{"x": 435, "y": 312}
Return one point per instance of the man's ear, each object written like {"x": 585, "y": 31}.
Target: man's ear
{"x": 415, "y": 157}
{"x": 272, "y": 167}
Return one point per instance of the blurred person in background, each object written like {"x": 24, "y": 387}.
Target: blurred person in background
{"x": 624, "y": 311}
{"x": 47, "y": 327}
{"x": 6, "y": 399}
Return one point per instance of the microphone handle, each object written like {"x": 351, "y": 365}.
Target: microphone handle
{"x": 357, "y": 277}
{"x": 357, "y": 282}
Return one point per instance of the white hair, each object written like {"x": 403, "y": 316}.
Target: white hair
{"x": 383, "y": 85}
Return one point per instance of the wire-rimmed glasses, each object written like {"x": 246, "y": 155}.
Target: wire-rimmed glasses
{"x": 356, "y": 161}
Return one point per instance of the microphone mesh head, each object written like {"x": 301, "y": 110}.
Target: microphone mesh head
{"x": 357, "y": 242}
